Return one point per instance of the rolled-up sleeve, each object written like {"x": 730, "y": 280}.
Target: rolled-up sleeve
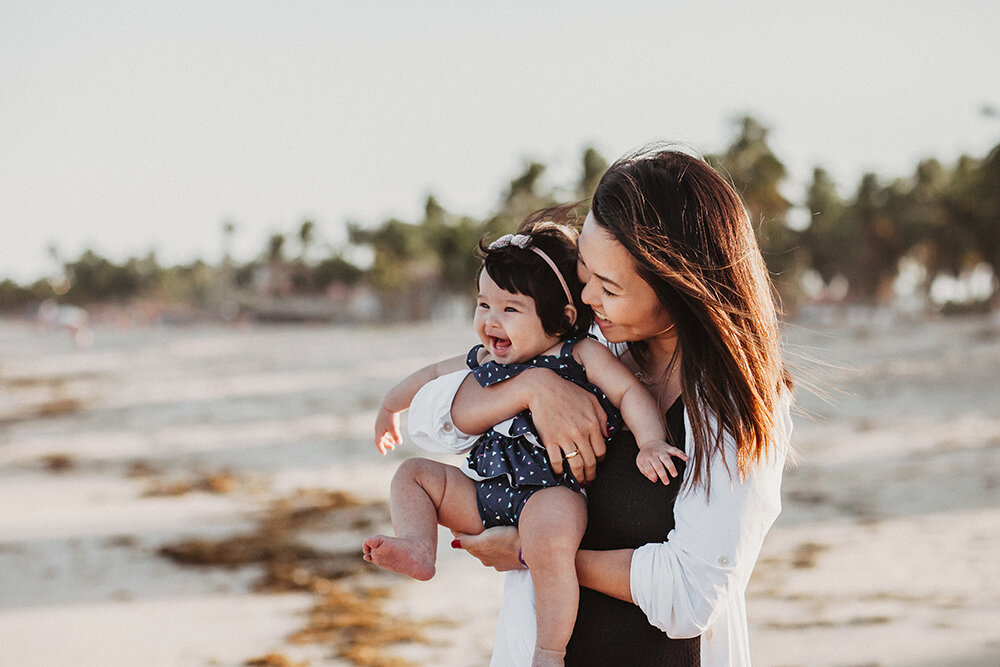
{"x": 699, "y": 575}
{"x": 429, "y": 420}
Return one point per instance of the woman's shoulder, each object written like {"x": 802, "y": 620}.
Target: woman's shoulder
{"x": 777, "y": 454}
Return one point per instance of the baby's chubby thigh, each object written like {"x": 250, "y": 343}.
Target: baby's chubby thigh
{"x": 551, "y": 526}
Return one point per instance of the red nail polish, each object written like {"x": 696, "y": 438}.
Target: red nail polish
{"x": 456, "y": 544}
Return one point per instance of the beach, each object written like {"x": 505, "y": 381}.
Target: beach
{"x": 197, "y": 495}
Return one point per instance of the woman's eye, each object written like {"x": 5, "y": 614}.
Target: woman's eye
{"x": 606, "y": 292}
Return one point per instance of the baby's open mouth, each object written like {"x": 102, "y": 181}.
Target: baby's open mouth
{"x": 500, "y": 345}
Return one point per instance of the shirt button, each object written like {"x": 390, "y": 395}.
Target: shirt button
{"x": 448, "y": 426}
{"x": 708, "y": 634}
{"x": 723, "y": 561}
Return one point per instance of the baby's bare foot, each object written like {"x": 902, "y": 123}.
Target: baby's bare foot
{"x": 546, "y": 658}
{"x": 400, "y": 555}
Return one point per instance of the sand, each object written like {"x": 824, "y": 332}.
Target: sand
{"x": 151, "y": 437}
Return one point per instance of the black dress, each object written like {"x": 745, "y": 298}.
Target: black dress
{"x": 625, "y": 511}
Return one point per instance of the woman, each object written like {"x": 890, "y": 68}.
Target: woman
{"x": 675, "y": 277}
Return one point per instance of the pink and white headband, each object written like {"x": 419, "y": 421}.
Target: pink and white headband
{"x": 524, "y": 241}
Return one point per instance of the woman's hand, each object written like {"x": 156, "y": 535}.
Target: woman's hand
{"x": 387, "y": 430}
{"x": 568, "y": 419}
{"x": 497, "y": 547}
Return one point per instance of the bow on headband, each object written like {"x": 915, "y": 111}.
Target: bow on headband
{"x": 520, "y": 240}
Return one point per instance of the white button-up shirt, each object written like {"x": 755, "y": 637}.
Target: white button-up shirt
{"x": 693, "y": 584}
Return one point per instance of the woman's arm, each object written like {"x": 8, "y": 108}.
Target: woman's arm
{"x": 446, "y": 411}
{"x": 606, "y": 572}
{"x": 500, "y": 548}
{"x": 685, "y": 583}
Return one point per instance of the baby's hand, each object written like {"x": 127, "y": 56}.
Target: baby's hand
{"x": 387, "y": 430}
{"x": 654, "y": 460}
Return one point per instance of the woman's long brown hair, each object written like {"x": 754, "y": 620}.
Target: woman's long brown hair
{"x": 692, "y": 241}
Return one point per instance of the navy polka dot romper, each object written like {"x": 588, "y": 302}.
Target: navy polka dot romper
{"x": 511, "y": 465}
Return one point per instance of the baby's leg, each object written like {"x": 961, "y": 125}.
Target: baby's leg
{"x": 423, "y": 494}
{"x": 551, "y": 527}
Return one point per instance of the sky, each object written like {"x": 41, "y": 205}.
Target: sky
{"x": 132, "y": 126}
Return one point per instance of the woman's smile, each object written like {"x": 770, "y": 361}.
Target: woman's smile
{"x": 625, "y": 307}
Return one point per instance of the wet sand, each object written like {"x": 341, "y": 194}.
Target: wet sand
{"x": 168, "y": 499}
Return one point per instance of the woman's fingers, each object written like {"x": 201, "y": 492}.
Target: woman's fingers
{"x": 577, "y": 459}
{"x": 590, "y": 443}
{"x": 585, "y": 470}
{"x": 602, "y": 423}
{"x": 564, "y": 458}
{"x": 581, "y": 463}
{"x": 574, "y": 425}
{"x": 555, "y": 454}
{"x": 496, "y": 547}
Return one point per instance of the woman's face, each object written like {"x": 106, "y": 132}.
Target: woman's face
{"x": 625, "y": 306}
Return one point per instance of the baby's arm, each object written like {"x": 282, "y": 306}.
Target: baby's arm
{"x": 638, "y": 408}
{"x": 399, "y": 397}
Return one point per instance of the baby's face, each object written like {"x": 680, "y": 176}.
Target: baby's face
{"x": 507, "y": 324}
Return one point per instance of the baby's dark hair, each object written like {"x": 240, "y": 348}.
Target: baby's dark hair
{"x": 522, "y": 271}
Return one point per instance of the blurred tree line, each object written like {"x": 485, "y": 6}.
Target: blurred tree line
{"x": 939, "y": 221}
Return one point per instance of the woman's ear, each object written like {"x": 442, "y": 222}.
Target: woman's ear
{"x": 570, "y": 313}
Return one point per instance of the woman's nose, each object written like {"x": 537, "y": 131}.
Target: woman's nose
{"x": 588, "y": 292}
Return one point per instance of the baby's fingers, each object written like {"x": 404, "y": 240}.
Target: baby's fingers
{"x": 651, "y": 468}
{"x": 648, "y": 472}
{"x": 661, "y": 471}
{"x": 668, "y": 463}
{"x": 677, "y": 453}
{"x": 386, "y": 443}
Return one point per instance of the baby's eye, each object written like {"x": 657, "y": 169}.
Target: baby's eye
{"x": 483, "y": 305}
{"x": 510, "y": 309}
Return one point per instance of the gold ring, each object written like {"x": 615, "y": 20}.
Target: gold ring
{"x": 571, "y": 454}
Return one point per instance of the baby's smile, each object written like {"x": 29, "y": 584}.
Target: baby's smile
{"x": 501, "y": 346}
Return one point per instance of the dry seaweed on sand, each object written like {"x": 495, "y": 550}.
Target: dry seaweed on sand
{"x": 274, "y": 660}
{"x": 218, "y": 482}
{"x": 58, "y": 462}
{"x": 288, "y": 563}
{"x": 353, "y": 621}
{"x": 346, "y": 616}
